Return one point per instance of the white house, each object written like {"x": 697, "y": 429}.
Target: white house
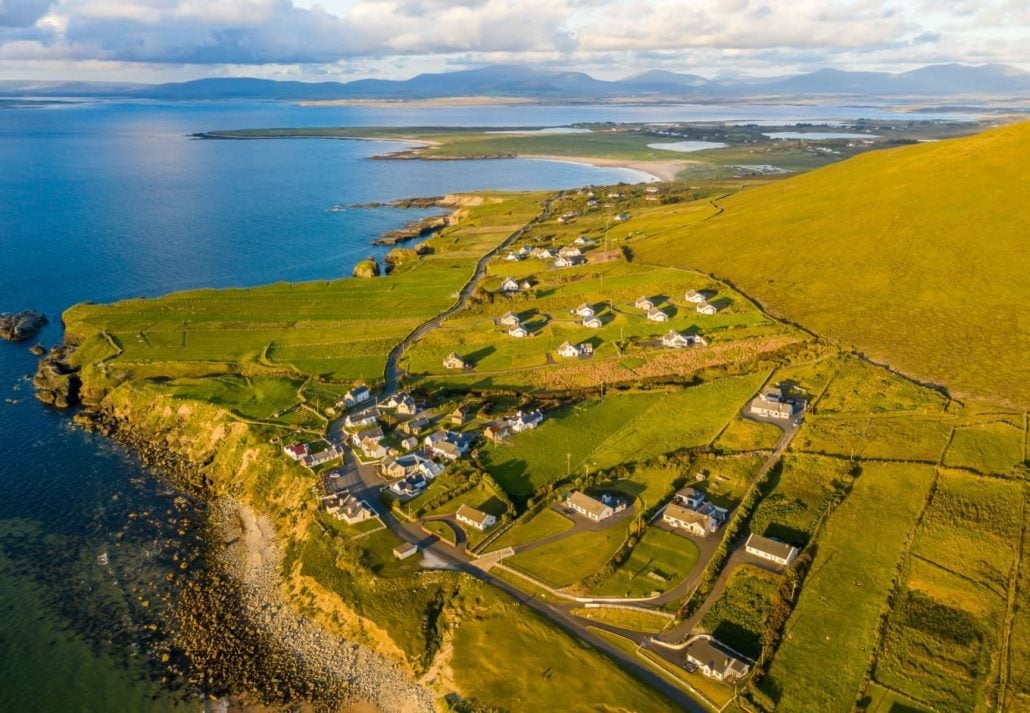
{"x": 621, "y": 217}
{"x": 593, "y": 322}
{"x": 644, "y": 303}
{"x": 583, "y": 242}
{"x": 567, "y": 261}
{"x": 690, "y": 497}
{"x": 348, "y": 508}
{"x": 296, "y": 451}
{"x": 526, "y": 285}
{"x": 768, "y": 406}
{"x": 591, "y": 508}
{"x": 568, "y": 350}
{"x": 357, "y": 395}
{"x": 695, "y": 297}
{"x": 570, "y": 251}
{"x": 769, "y": 549}
{"x": 513, "y": 257}
{"x": 707, "y": 308}
{"x": 692, "y": 521}
{"x": 675, "y": 340}
{"x": 542, "y": 254}
{"x": 715, "y": 660}
{"x": 509, "y": 285}
{"x": 517, "y": 331}
{"x": 524, "y": 251}
{"x": 453, "y": 361}
{"x": 510, "y": 319}
{"x": 525, "y": 421}
{"x": 477, "y": 519}
{"x": 656, "y": 315}
{"x": 365, "y": 417}
{"x": 584, "y": 310}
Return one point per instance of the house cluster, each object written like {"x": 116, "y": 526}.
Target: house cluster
{"x": 514, "y": 324}
{"x": 596, "y": 509}
{"x": 501, "y": 431}
{"x": 700, "y": 302}
{"x": 773, "y": 403}
{"x": 347, "y": 507}
{"x": 691, "y": 512}
{"x": 716, "y": 660}
{"x": 510, "y": 286}
{"x": 312, "y": 454}
{"x": 677, "y": 340}
{"x": 590, "y": 318}
{"x": 569, "y": 350}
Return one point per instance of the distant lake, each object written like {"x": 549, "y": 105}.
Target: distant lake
{"x": 687, "y": 146}
{"x": 817, "y": 135}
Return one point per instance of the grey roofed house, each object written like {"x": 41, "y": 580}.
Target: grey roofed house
{"x": 773, "y": 550}
{"x": 453, "y": 361}
{"x": 691, "y": 497}
{"x": 656, "y": 315}
{"x": 362, "y": 418}
{"x": 510, "y": 319}
{"x": 771, "y": 409}
{"x": 695, "y": 297}
{"x": 675, "y": 340}
{"x": 593, "y": 322}
{"x": 644, "y": 303}
{"x": 371, "y": 433}
{"x": 690, "y": 520}
{"x": 591, "y": 507}
{"x": 477, "y": 518}
{"x": 715, "y": 660}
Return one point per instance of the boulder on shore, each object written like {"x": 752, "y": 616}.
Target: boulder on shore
{"x": 21, "y": 326}
{"x": 367, "y": 268}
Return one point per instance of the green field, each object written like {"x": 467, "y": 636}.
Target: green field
{"x": 989, "y": 448}
{"x": 745, "y": 435}
{"x": 737, "y": 618}
{"x": 628, "y": 427}
{"x": 1016, "y": 672}
{"x": 544, "y": 524}
{"x": 635, "y": 620}
{"x": 566, "y": 561}
{"x": 507, "y": 656}
{"x": 820, "y": 667}
{"x": 901, "y": 304}
{"x": 659, "y": 562}
{"x": 802, "y": 490}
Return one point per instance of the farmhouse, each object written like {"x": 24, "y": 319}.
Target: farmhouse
{"x": 365, "y": 417}
{"x": 453, "y": 361}
{"x": 707, "y": 308}
{"x": 675, "y": 340}
{"x": 715, "y": 660}
{"x": 509, "y": 285}
{"x": 312, "y": 460}
{"x": 510, "y": 319}
{"x": 771, "y": 404}
{"x": 524, "y": 421}
{"x": 592, "y": 508}
{"x": 692, "y": 521}
{"x": 296, "y": 451}
{"x": 357, "y": 395}
{"x": 695, "y": 297}
{"x": 593, "y": 322}
{"x": 517, "y": 331}
{"x": 477, "y": 519}
{"x": 584, "y": 310}
{"x": 348, "y": 508}
{"x": 769, "y": 549}
{"x": 656, "y": 315}
{"x": 644, "y": 303}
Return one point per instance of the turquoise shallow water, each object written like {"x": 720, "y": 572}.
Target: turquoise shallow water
{"x": 105, "y": 201}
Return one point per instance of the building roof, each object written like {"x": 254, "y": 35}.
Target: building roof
{"x": 467, "y": 512}
{"x": 763, "y": 404}
{"x": 685, "y": 514}
{"x": 581, "y": 501}
{"x": 779, "y": 550}
{"x": 706, "y": 651}
{"x": 691, "y": 493}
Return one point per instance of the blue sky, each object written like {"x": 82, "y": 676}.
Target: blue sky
{"x": 159, "y": 40}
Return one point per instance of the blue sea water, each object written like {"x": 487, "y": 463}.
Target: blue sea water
{"x": 106, "y": 200}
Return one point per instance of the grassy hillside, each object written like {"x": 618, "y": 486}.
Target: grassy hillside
{"x": 915, "y": 256}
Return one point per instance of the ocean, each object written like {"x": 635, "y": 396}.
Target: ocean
{"x": 107, "y": 200}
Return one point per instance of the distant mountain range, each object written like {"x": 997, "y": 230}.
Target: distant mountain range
{"x": 942, "y": 80}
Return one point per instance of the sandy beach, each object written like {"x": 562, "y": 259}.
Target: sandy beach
{"x": 665, "y": 170}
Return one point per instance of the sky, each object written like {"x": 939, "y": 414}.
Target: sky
{"x": 315, "y": 40}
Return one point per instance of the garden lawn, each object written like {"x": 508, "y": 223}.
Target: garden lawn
{"x": 544, "y": 524}
{"x": 570, "y": 559}
{"x": 820, "y": 666}
{"x": 659, "y": 562}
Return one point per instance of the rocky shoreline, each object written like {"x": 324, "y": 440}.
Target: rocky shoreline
{"x": 21, "y": 326}
{"x": 234, "y": 636}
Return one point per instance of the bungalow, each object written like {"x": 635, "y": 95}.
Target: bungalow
{"x": 707, "y": 308}
{"x": 695, "y": 297}
{"x": 513, "y": 257}
{"x": 415, "y": 426}
{"x": 517, "y": 331}
{"x": 372, "y": 448}
{"x": 768, "y": 406}
{"x": 570, "y": 251}
{"x": 656, "y": 315}
{"x": 375, "y": 434}
{"x": 394, "y": 400}
{"x": 589, "y": 507}
{"x": 365, "y": 417}
{"x": 510, "y": 319}
{"x": 409, "y": 486}
{"x": 689, "y": 497}
{"x": 715, "y": 660}
{"x": 296, "y": 451}
{"x": 644, "y": 303}
{"x": 542, "y": 254}
{"x": 311, "y": 460}
{"x": 675, "y": 340}
{"x": 568, "y": 261}
{"x": 477, "y": 519}
{"x": 584, "y": 310}
{"x": 509, "y": 285}
{"x": 348, "y": 508}
{"x": 769, "y": 549}
{"x": 357, "y": 395}
{"x": 526, "y": 421}
{"x": 446, "y": 450}
{"x": 593, "y": 322}
{"x": 447, "y": 444}
{"x": 453, "y": 361}
{"x": 692, "y": 521}
{"x": 583, "y": 242}
{"x": 568, "y": 350}
{"x": 497, "y": 432}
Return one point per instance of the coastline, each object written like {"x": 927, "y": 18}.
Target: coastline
{"x": 655, "y": 171}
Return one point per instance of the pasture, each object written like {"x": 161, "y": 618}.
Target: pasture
{"x": 659, "y": 562}
{"x": 801, "y": 491}
{"x": 571, "y": 559}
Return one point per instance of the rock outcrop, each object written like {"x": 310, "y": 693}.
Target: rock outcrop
{"x": 21, "y": 326}
{"x": 56, "y": 382}
{"x": 367, "y": 268}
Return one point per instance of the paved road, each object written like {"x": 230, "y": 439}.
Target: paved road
{"x": 392, "y": 371}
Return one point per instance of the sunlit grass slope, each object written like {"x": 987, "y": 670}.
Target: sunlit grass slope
{"x": 916, "y": 256}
